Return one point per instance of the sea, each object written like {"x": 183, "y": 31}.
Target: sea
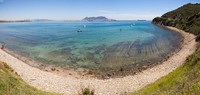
{"x": 100, "y": 46}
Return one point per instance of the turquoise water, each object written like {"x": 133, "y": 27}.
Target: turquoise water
{"x": 100, "y": 45}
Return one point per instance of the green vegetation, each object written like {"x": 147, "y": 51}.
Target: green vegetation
{"x": 11, "y": 84}
{"x": 87, "y": 91}
{"x": 186, "y": 18}
{"x": 183, "y": 81}
{"x": 186, "y": 79}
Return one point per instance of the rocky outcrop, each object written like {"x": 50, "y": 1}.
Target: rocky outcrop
{"x": 164, "y": 21}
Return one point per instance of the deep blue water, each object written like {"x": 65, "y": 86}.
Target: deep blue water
{"x": 100, "y": 45}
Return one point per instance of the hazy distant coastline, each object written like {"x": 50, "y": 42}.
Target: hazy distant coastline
{"x": 87, "y": 19}
{"x": 5, "y": 21}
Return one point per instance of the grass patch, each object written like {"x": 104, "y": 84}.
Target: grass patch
{"x": 11, "y": 84}
{"x": 183, "y": 81}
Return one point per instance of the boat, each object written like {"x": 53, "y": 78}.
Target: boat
{"x": 84, "y": 26}
{"x": 79, "y": 30}
{"x": 132, "y": 25}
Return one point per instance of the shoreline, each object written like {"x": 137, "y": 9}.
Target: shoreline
{"x": 71, "y": 85}
{"x": 85, "y": 73}
{"x": 58, "y": 70}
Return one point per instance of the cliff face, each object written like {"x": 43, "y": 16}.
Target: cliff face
{"x": 186, "y": 18}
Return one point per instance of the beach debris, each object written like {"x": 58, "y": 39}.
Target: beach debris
{"x": 121, "y": 69}
{"x": 144, "y": 67}
{"x": 16, "y": 74}
{"x": 90, "y": 72}
{"x": 53, "y": 69}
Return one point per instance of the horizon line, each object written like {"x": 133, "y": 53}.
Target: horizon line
{"x": 61, "y": 19}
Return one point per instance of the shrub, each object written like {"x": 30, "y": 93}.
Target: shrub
{"x": 87, "y": 91}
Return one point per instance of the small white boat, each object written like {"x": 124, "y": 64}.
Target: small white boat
{"x": 84, "y": 26}
{"x": 132, "y": 25}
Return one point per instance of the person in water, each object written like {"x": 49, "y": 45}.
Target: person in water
{"x": 2, "y": 46}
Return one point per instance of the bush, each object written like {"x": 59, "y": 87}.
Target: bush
{"x": 87, "y": 91}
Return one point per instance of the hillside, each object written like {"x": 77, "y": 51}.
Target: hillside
{"x": 186, "y": 18}
{"x": 186, "y": 79}
{"x": 11, "y": 84}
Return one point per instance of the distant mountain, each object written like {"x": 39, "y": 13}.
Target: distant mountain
{"x": 97, "y": 19}
{"x": 186, "y": 18}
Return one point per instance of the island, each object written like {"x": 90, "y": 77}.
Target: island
{"x": 141, "y": 20}
{"x": 97, "y": 19}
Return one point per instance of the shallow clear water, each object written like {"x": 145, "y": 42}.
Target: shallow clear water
{"x": 100, "y": 45}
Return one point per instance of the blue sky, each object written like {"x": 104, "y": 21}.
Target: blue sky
{"x": 78, "y": 9}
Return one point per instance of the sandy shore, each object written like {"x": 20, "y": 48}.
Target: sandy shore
{"x": 114, "y": 86}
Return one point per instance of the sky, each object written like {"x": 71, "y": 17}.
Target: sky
{"x": 78, "y": 9}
